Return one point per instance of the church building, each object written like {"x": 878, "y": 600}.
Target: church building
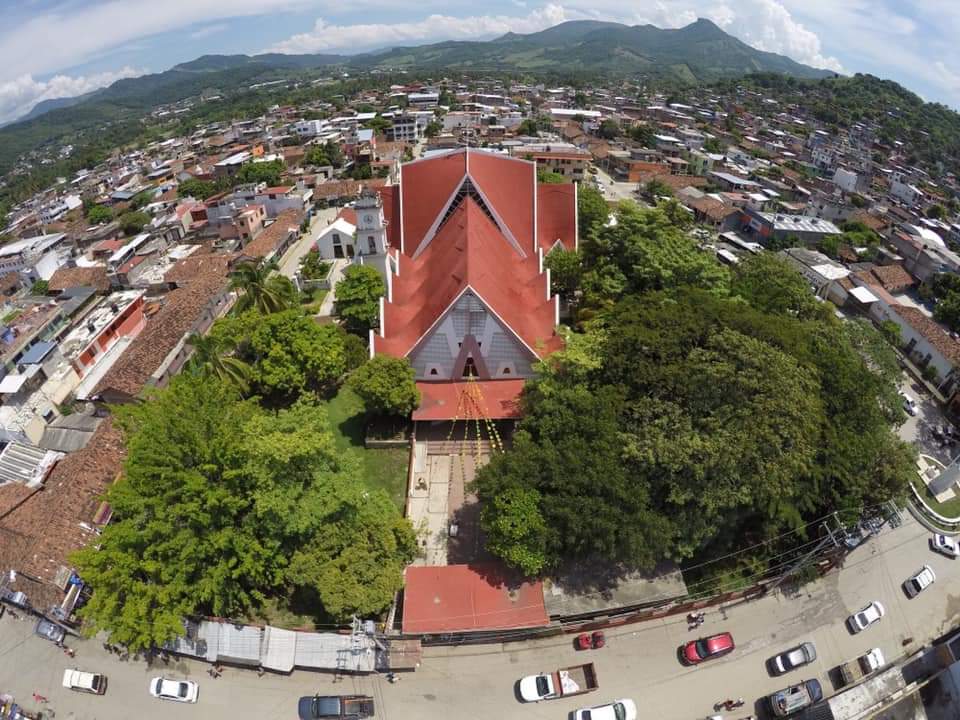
{"x": 463, "y": 238}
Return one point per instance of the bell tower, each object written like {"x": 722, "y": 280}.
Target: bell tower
{"x": 371, "y": 247}
{"x": 371, "y": 229}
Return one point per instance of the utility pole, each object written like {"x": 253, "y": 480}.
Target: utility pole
{"x": 800, "y": 563}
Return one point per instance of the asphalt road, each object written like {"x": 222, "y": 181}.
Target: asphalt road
{"x": 639, "y": 661}
{"x": 290, "y": 261}
{"x": 919, "y": 428}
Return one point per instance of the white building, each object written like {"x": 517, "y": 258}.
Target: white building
{"x": 904, "y": 191}
{"x": 337, "y": 240}
{"x": 845, "y": 179}
{"x": 36, "y": 258}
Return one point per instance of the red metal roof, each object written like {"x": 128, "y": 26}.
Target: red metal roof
{"x": 468, "y": 251}
{"x": 556, "y": 215}
{"x": 390, "y": 196}
{"x": 469, "y": 597}
{"x": 493, "y": 399}
{"x": 425, "y": 188}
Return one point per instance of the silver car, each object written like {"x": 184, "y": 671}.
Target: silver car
{"x": 803, "y": 654}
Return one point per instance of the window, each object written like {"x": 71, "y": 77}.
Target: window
{"x": 371, "y": 244}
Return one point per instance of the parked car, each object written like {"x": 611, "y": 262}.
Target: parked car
{"x": 696, "y": 651}
{"x": 909, "y": 404}
{"x": 50, "y": 631}
{"x": 185, "y": 691}
{"x": 330, "y": 707}
{"x": 944, "y": 545}
{"x": 865, "y": 618}
{"x": 94, "y": 683}
{"x": 791, "y": 659}
{"x": 564, "y": 682}
{"x": 623, "y": 709}
{"x": 795, "y": 698}
{"x": 919, "y": 582}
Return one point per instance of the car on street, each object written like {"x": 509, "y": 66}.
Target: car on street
{"x": 909, "y": 404}
{"x": 329, "y": 707}
{"x": 50, "y": 631}
{"x": 185, "y": 691}
{"x": 623, "y": 709}
{"x": 865, "y": 618}
{"x": 920, "y": 581}
{"x": 88, "y": 682}
{"x": 696, "y": 651}
{"x": 795, "y": 698}
{"x": 944, "y": 545}
{"x": 802, "y": 654}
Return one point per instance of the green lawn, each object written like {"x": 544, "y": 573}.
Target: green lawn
{"x": 386, "y": 469}
{"x": 950, "y": 508}
{"x": 312, "y": 306}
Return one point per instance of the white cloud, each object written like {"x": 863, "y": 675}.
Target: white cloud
{"x": 70, "y": 33}
{"x": 17, "y": 97}
{"x": 326, "y": 37}
{"x": 208, "y": 30}
{"x": 768, "y": 25}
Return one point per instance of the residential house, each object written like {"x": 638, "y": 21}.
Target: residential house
{"x": 804, "y": 230}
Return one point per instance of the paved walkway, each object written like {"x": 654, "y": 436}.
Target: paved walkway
{"x": 326, "y": 306}
{"x": 291, "y": 258}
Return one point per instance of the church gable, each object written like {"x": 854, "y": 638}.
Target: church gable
{"x": 469, "y": 341}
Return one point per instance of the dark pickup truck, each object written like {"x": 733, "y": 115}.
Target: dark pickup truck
{"x": 352, "y": 707}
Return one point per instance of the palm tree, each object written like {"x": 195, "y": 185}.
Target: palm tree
{"x": 260, "y": 290}
{"x": 211, "y": 355}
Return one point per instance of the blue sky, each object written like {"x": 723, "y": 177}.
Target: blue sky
{"x": 56, "y": 48}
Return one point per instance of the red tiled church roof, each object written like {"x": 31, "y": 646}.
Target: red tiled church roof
{"x": 488, "y": 244}
{"x": 557, "y": 216}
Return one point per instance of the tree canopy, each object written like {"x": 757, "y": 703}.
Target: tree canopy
{"x": 696, "y": 415}
{"x": 222, "y": 504}
{"x": 386, "y": 385}
{"x": 358, "y": 298}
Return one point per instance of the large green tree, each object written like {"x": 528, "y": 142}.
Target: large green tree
{"x": 693, "y": 425}
{"x": 592, "y": 210}
{"x": 387, "y": 386}
{"x": 217, "y": 494}
{"x": 291, "y": 353}
{"x": 358, "y": 298}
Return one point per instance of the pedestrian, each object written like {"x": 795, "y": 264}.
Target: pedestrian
{"x": 260, "y": 671}
{"x": 37, "y": 697}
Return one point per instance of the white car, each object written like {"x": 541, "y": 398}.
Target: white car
{"x": 909, "y": 404}
{"x": 945, "y": 545}
{"x": 919, "y": 582}
{"x": 177, "y": 690}
{"x": 617, "y": 710}
{"x": 866, "y": 617}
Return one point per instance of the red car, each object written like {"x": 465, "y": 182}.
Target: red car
{"x": 707, "y": 648}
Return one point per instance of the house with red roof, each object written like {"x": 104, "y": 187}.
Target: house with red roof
{"x": 468, "y": 297}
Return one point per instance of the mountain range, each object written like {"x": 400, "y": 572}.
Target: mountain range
{"x": 699, "y": 52}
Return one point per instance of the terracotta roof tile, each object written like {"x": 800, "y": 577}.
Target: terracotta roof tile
{"x": 271, "y": 237}
{"x": 931, "y": 331}
{"x": 203, "y": 279}
{"x": 38, "y": 534}
{"x": 95, "y": 277}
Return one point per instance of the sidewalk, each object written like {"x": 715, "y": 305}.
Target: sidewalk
{"x": 326, "y": 306}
